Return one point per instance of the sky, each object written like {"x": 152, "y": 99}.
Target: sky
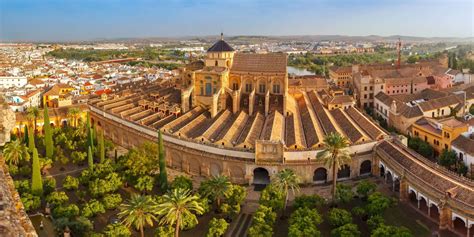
{"x": 66, "y": 20}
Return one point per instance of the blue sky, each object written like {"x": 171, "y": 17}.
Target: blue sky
{"x": 60, "y": 20}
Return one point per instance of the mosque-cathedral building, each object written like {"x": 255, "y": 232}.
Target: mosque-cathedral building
{"x": 239, "y": 115}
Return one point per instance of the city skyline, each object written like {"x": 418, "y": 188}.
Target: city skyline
{"x": 52, "y": 20}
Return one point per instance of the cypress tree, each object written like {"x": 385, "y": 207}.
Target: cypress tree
{"x": 48, "y": 134}
{"x": 31, "y": 140}
{"x": 90, "y": 160}
{"x": 90, "y": 136}
{"x": 37, "y": 181}
{"x": 101, "y": 147}
{"x": 162, "y": 162}
{"x": 25, "y": 136}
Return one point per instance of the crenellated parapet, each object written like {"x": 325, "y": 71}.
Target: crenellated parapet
{"x": 14, "y": 222}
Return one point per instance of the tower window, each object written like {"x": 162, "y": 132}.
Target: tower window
{"x": 276, "y": 88}
{"x": 235, "y": 86}
{"x": 261, "y": 88}
{"x": 216, "y": 63}
{"x": 248, "y": 87}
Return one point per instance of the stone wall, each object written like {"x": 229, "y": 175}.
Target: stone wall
{"x": 206, "y": 160}
{"x": 14, "y": 222}
{"x": 7, "y": 121}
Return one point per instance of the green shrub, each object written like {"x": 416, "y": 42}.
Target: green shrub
{"x": 117, "y": 230}
{"x": 347, "y": 230}
{"x": 67, "y": 211}
{"x": 164, "y": 231}
{"x": 377, "y": 203}
{"x": 339, "y": 217}
{"x": 262, "y": 222}
{"x": 365, "y": 188}
{"x": 217, "y": 227}
{"x": 30, "y": 201}
{"x": 309, "y": 201}
{"x": 182, "y": 182}
{"x": 22, "y": 186}
{"x": 70, "y": 183}
{"x": 374, "y": 222}
{"x": 272, "y": 197}
{"x": 57, "y": 198}
{"x": 344, "y": 193}
{"x": 49, "y": 185}
{"x": 111, "y": 201}
{"x": 92, "y": 208}
{"x": 303, "y": 222}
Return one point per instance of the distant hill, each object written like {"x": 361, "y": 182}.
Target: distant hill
{"x": 263, "y": 38}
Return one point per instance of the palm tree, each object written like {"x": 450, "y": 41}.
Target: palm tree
{"x": 33, "y": 113}
{"x": 15, "y": 151}
{"x": 216, "y": 187}
{"x": 286, "y": 180}
{"x": 138, "y": 212}
{"x": 334, "y": 155}
{"x": 177, "y": 208}
{"x": 74, "y": 113}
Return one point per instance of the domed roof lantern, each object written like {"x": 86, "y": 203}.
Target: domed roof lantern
{"x": 221, "y": 46}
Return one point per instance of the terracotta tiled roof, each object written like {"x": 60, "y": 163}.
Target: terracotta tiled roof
{"x": 341, "y": 99}
{"x": 384, "y": 98}
{"x": 465, "y": 144}
{"x": 430, "y": 174}
{"x": 56, "y": 89}
{"x": 439, "y": 103}
{"x": 309, "y": 130}
{"x": 364, "y": 123}
{"x": 269, "y": 63}
{"x": 341, "y": 69}
{"x": 345, "y": 124}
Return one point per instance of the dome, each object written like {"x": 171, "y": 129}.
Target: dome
{"x": 221, "y": 46}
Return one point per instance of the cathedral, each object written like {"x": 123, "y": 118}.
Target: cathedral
{"x": 235, "y": 81}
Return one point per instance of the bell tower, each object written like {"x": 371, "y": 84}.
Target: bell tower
{"x": 220, "y": 54}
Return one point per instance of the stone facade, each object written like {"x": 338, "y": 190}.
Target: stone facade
{"x": 14, "y": 222}
{"x": 7, "y": 121}
{"x": 206, "y": 161}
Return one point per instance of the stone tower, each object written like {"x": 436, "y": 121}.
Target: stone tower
{"x": 7, "y": 121}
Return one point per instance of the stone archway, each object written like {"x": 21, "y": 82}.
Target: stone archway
{"x": 459, "y": 226}
{"x": 215, "y": 169}
{"x": 365, "y": 168}
{"x": 413, "y": 199}
{"x": 176, "y": 162}
{"x": 237, "y": 174}
{"x": 389, "y": 177}
{"x": 396, "y": 185}
{"x": 423, "y": 205}
{"x": 434, "y": 212}
{"x": 320, "y": 175}
{"x": 261, "y": 176}
{"x": 194, "y": 167}
{"x": 344, "y": 172}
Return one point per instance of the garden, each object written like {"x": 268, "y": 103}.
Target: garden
{"x": 72, "y": 176}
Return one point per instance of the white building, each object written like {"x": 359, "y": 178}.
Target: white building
{"x": 464, "y": 148}
{"x": 20, "y": 103}
{"x": 460, "y": 76}
{"x": 11, "y": 82}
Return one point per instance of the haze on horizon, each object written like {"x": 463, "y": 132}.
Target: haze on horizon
{"x": 71, "y": 20}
